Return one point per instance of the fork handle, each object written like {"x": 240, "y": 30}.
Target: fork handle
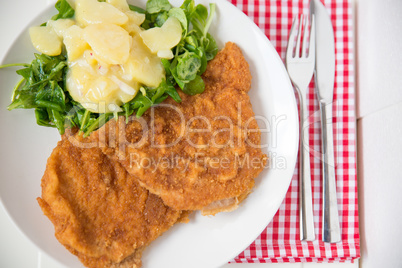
{"x": 331, "y": 229}
{"x": 306, "y": 198}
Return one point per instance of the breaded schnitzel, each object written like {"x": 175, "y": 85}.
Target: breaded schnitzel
{"x": 99, "y": 211}
{"x": 202, "y": 153}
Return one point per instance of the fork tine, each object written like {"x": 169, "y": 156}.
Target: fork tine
{"x": 305, "y": 32}
{"x": 311, "y": 51}
{"x": 297, "y": 54}
{"x": 289, "y": 51}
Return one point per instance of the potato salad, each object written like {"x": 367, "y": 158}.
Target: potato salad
{"x": 101, "y": 59}
{"x": 109, "y": 55}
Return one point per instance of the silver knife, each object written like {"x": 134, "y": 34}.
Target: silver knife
{"x": 324, "y": 78}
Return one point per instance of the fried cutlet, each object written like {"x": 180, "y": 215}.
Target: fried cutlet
{"x": 99, "y": 211}
{"x": 201, "y": 154}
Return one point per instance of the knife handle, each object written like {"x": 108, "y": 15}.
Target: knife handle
{"x": 330, "y": 230}
{"x": 306, "y": 197}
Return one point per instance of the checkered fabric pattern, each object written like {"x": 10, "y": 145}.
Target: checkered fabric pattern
{"x": 279, "y": 242}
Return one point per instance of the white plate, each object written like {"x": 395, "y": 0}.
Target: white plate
{"x": 205, "y": 241}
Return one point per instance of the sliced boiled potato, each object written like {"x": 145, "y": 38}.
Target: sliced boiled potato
{"x": 165, "y": 54}
{"x": 132, "y": 29}
{"x": 45, "y": 40}
{"x": 163, "y": 38}
{"x": 110, "y": 42}
{"x": 119, "y": 4}
{"x": 78, "y": 81}
{"x": 91, "y": 12}
{"x": 99, "y": 94}
{"x": 101, "y": 89}
{"x": 74, "y": 42}
{"x": 60, "y": 25}
{"x": 143, "y": 65}
{"x": 91, "y": 58}
{"x": 72, "y": 3}
{"x": 127, "y": 90}
{"x": 134, "y": 22}
{"x": 135, "y": 17}
{"x": 110, "y": 55}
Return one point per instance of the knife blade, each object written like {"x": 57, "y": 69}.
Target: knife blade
{"x": 325, "y": 52}
{"x": 324, "y": 78}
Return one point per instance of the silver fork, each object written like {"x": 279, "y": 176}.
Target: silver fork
{"x": 300, "y": 67}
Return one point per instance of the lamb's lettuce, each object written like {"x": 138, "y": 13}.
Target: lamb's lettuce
{"x": 43, "y": 88}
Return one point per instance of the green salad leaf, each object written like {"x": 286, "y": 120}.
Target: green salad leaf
{"x": 137, "y": 9}
{"x": 156, "y": 6}
{"x": 65, "y": 10}
{"x": 179, "y": 14}
{"x": 43, "y": 88}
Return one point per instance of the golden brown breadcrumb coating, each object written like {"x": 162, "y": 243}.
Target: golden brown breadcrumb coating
{"x": 99, "y": 211}
{"x": 203, "y": 153}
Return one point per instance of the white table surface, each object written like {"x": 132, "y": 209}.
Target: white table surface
{"x": 379, "y": 62}
{"x": 379, "y": 98}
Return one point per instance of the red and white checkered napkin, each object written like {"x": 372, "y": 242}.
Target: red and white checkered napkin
{"x": 279, "y": 242}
